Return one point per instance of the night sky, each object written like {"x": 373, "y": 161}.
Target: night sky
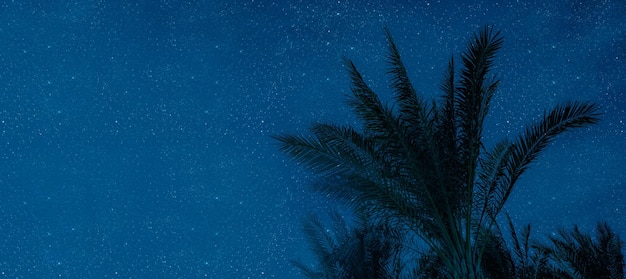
{"x": 135, "y": 135}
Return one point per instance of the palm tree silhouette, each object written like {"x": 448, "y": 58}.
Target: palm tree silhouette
{"x": 366, "y": 250}
{"x": 521, "y": 261}
{"x": 422, "y": 165}
{"x": 574, "y": 254}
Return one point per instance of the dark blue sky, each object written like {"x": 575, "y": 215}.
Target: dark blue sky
{"x": 134, "y": 137}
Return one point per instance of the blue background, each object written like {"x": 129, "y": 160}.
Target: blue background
{"x": 135, "y": 135}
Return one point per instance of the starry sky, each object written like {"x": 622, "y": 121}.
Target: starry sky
{"x": 135, "y": 135}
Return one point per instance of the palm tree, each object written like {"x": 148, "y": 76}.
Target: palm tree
{"x": 521, "y": 261}
{"x": 422, "y": 165}
{"x": 574, "y": 254}
{"x": 366, "y": 250}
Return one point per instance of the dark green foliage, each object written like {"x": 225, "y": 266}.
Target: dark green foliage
{"x": 430, "y": 266}
{"x": 368, "y": 250}
{"x": 523, "y": 261}
{"x": 574, "y": 254}
{"x": 423, "y": 166}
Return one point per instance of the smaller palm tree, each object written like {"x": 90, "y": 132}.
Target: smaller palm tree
{"x": 366, "y": 250}
{"x": 517, "y": 259}
{"x": 574, "y": 254}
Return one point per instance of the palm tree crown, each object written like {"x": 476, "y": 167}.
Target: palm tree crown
{"x": 422, "y": 165}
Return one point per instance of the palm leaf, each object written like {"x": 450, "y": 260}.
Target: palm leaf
{"x": 474, "y": 95}
{"x": 378, "y": 119}
{"x": 323, "y": 244}
{"x": 536, "y": 138}
{"x": 411, "y": 108}
{"x": 315, "y": 154}
{"x": 354, "y": 149}
{"x": 446, "y": 128}
{"x": 488, "y": 186}
{"x": 520, "y": 249}
{"x": 529, "y": 264}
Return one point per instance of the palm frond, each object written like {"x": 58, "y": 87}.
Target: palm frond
{"x": 519, "y": 248}
{"x": 411, "y": 108}
{"x": 526, "y": 244}
{"x": 322, "y": 243}
{"x": 488, "y": 187}
{"x": 452, "y": 174}
{"x": 474, "y": 93}
{"x": 332, "y": 150}
{"x": 446, "y": 126}
{"x": 448, "y": 86}
{"x": 354, "y": 149}
{"x": 610, "y": 245}
{"x": 536, "y": 138}
{"x": 377, "y": 118}
{"x": 313, "y": 153}
{"x": 529, "y": 263}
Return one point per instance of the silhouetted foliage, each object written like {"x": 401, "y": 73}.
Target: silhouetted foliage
{"x": 367, "y": 250}
{"x": 423, "y": 166}
{"x": 574, "y": 254}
